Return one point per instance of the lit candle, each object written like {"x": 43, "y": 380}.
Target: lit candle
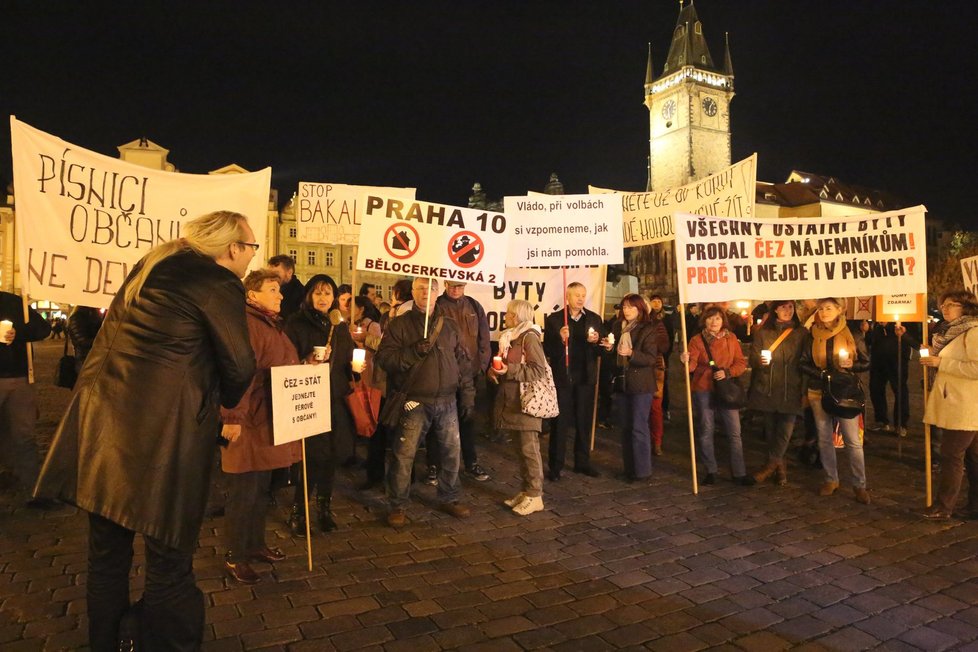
{"x": 611, "y": 338}
{"x": 497, "y": 362}
{"x": 766, "y": 356}
{"x": 359, "y": 360}
{"x": 924, "y": 352}
{"x": 359, "y": 330}
{"x": 843, "y": 355}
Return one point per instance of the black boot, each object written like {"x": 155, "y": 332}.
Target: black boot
{"x": 297, "y": 521}
{"x": 326, "y": 522}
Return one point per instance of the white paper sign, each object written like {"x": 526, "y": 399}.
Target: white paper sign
{"x": 413, "y": 238}
{"x": 84, "y": 219}
{"x": 330, "y": 212}
{"x": 565, "y": 230}
{"x": 969, "y": 272}
{"x": 300, "y": 402}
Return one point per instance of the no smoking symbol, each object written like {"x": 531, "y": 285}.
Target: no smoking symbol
{"x": 466, "y": 249}
{"x": 401, "y": 240}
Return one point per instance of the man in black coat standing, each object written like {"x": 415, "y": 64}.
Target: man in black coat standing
{"x": 293, "y": 291}
{"x": 572, "y": 352}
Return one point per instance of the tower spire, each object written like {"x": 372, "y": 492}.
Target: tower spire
{"x": 649, "y": 74}
{"x": 727, "y": 61}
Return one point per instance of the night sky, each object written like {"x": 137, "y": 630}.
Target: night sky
{"x": 439, "y": 95}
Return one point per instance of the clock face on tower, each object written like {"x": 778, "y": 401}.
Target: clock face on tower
{"x": 669, "y": 109}
{"x": 710, "y": 107}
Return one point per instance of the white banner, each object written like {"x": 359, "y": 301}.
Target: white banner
{"x": 969, "y": 272}
{"x": 544, "y": 288}
{"x": 331, "y": 212}
{"x": 647, "y": 216}
{"x": 300, "y": 402}
{"x": 84, "y": 219}
{"x": 720, "y": 259}
{"x": 564, "y": 230}
{"x": 413, "y": 238}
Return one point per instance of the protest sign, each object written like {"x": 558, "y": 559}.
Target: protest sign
{"x": 969, "y": 272}
{"x": 901, "y": 307}
{"x": 861, "y": 308}
{"x": 414, "y": 238}
{"x": 84, "y": 220}
{"x": 300, "y": 402}
{"x": 719, "y": 259}
{"x": 564, "y": 230}
{"x": 544, "y": 288}
{"x": 647, "y": 216}
{"x": 330, "y": 213}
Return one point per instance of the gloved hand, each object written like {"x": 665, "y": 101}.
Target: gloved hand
{"x": 422, "y": 346}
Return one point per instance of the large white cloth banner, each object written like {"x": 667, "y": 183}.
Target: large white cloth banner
{"x": 720, "y": 259}
{"x": 544, "y": 288}
{"x": 412, "y": 238}
{"x": 84, "y": 220}
{"x": 647, "y": 216}
{"x": 564, "y": 230}
{"x": 330, "y": 212}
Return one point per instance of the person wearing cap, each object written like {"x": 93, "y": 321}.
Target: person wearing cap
{"x": 473, "y": 325}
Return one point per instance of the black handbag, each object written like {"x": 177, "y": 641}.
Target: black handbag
{"x": 390, "y": 413}
{"x": 729, "y": 393}
{"x": 842, "y": 392}
{"x": 66, "y": 373}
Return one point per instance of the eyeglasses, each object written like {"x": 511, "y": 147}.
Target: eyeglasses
{"x": 253, "y": 245}
{"x": 947, "y": 305}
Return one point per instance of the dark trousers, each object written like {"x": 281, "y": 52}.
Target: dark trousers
{"x": 18, "y": 413}
{"x": 879, "y": 379}
{"x": 576, "y": 404}
{"x": 959, "y": 454}
{"x": 376, "y": 454}
{"x": 247, "y": 506}
{"x": 633, "y": 424}
{"x": 173, "y": 606}
{"x": 321, "y": 460}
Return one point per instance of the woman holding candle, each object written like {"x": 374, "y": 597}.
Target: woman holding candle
{"x": 775, "y": 384}
{"x": 639, "y": 342}
{"x": 308, "y": 328}
{"x": 831, "y": 348}
{"x": 520, "y": 360}
{"x": 366, "y": 334}
{"x": 727, "y": 361}
{"x": 951, "y": 405}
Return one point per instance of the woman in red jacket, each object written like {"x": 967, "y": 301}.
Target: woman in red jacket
{"x": 728, "y": 361}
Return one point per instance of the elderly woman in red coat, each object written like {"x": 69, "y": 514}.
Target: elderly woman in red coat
{"x": 251, "y": 455}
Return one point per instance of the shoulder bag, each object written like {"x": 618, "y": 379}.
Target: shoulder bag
{"x": 842, "y": 392}
{"x": 66, "y": 374}
{"x": 728, "y": 394}
{"x": 538, "y": 398}
{"x": 390, "y": 415}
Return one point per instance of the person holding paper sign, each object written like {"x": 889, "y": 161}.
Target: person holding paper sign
{"x": 136, "y": 445}
{"x": 251, "y": 455}
{"x": 832, "y": 347}
{"x": 318, "y": 325}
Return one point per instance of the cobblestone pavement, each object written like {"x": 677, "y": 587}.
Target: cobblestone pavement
{"x": 607, "y": 566}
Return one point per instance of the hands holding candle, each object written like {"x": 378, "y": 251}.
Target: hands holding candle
{"x": 359, "y": 360}
{"x": 845, "y": 360}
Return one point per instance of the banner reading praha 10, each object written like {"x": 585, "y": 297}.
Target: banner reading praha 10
{"x": 414, "y": 238}
{"x": 84, "y": 220}
{"x": 719, "y": 259}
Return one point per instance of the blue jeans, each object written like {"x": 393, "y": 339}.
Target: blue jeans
{"x": 704, "y": 434}
{"x": 849, "y": 428}
{"x": 442, "y": 417}
{"x": 636, "y": 442}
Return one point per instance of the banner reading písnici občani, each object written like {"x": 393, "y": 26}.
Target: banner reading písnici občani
{"x": 84, "y": 220}
{"x": 720, "y": 259}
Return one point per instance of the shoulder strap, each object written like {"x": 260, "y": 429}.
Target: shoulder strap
{"x": 709, "y": 354}
{"x": 780, "y": 339}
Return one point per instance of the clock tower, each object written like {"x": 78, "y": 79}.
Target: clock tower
{"x": 689, "y": 108}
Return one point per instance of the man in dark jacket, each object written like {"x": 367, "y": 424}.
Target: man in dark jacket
{"x": 293, "y": 291}
{"x": 135, "y": 448}
{"x": 575, "y": 374}
{"x": 430, "y": 396}
{"x": 18, "y": 402}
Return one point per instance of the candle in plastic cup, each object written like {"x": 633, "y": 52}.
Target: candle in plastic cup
{"x": 766, "y": 356}
{"x": 5, "y": 326}
{"x": 611, "y": 338}
{"x": 359, "y": 360}
{"x": 497, "y": 362}
{"x": 319, "y": 353}
{"x": 924, "y": 352}
{"x": 843, "y": 355}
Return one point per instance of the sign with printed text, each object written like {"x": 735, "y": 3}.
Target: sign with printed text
{"x": 719, "y": 259}
{"x": 565, "y": 230}
{"x": 901, "y": 307}
{"x": 969, "y": 272}
{"x": 84, "y": 220}
{"x": 413, "y": 238}
{"x": 331, "y": 212}
{"x": 647, "y": 216}
{"x": 544, "y": 288}
{"x": 300, "y": 402}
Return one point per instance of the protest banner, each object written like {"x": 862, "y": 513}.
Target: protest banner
{"x": 300, "y": 402}
{"x": 564, "y": 230}
{"x": 544, "y": 288}
{"x": 969, "y": 272}
{"x": 719, "y": 259}
{"x": 861, "y": 308}
{"x": 330, "y": 213}
{"x": 901, "y": 307}
{"x": 84, "y": 220}
{"x": 450, "y": 243}
{"x": 647, "y": 216}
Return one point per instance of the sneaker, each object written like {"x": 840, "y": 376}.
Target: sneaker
{"x": 862, "y": 495}
{"x": 478, "y": 473}
{"x": 937, "y": 514}
{"x": 828, "y": 488}
{"x": 396, "y": 517}
{"x": 456, "y": 509}
{"x": 515, "y": 500}
{"x": 529, "y": 505}
{"x": 432, "y": 478}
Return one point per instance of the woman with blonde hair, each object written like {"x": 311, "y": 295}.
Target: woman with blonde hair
{"x": 522, "y": 361}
